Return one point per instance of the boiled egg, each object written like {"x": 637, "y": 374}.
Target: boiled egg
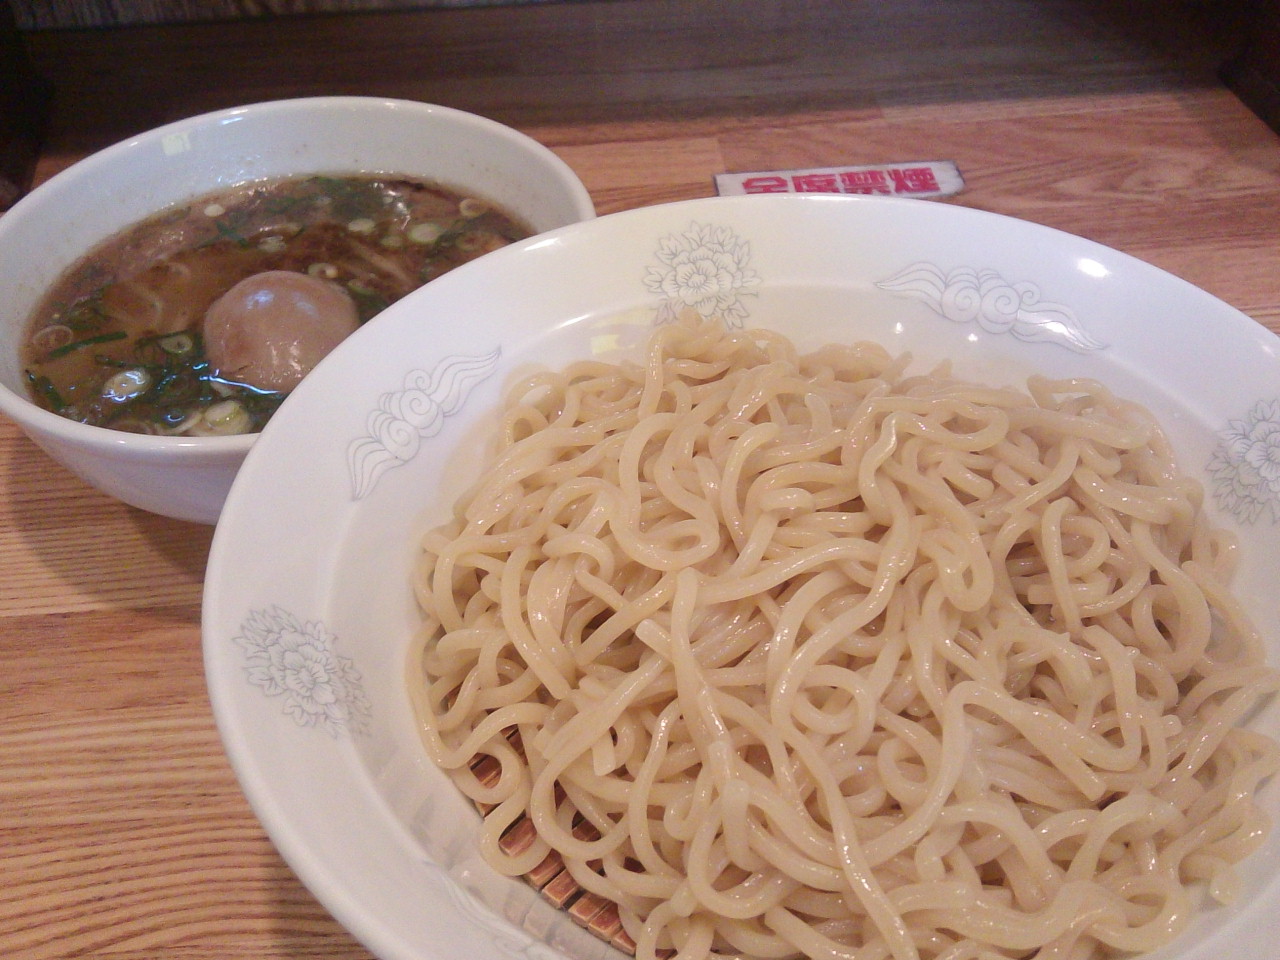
{"x": 271, "y": 329}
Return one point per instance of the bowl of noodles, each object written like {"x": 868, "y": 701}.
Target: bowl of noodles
{"x": 771, "y": 577}
{"x": 164, "y": 295}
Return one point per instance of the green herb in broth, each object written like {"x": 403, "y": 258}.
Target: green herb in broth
{"x": 351, "y": 199}
{"x": 157, "y": 388}
{"x": 87, "y": 314}
{"x": 118, "y": 342}
{"x": 42, "y": 387}
{"x": 67, "y": 348}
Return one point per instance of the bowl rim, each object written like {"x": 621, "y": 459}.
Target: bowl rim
{"x": 151, "y": 447}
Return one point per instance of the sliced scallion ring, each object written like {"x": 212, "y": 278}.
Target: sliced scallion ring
{"x": 177, "y": 344}
{"x": 223, "y": 419}
{"x": 127, "y": 385}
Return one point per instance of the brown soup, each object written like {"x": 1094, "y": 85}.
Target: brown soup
{"x": 120, "y": 340}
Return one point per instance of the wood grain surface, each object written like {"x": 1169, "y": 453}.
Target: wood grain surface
{"x": 54, "y": 14}
{"x": 123, "y": 833}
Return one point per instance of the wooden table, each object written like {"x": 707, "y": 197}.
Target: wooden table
{"x": 123, "y": 833}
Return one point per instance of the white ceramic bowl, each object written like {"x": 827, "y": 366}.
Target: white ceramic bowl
{"x": 65, "y": 217}
{"x": 308, "y": 609}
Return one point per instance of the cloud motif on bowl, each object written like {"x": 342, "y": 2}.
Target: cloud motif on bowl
{"x": 295, "y": 661}
{"x": 1245, "y": 468}
{"x": 705, "y": 269}
{"x": 406, "y": 417}
{"x": 982, "y": 296}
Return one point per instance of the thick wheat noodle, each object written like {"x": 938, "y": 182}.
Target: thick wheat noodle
{"x": 799, "y": 655}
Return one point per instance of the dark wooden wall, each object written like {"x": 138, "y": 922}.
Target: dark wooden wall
{"x": 55, "y": 14}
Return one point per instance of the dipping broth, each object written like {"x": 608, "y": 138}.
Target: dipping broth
{"x": 127, "y": 339}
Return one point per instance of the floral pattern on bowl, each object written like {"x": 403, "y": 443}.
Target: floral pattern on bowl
{"x": 704, "y": 269}
{"x": 1245, "y": 469}
{"x": 294, "y": 660}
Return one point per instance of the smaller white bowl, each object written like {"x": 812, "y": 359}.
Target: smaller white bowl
{"x": 67, "y": 216}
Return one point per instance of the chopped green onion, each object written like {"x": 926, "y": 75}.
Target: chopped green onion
{"x": 223, "y": 419}
{"x": 424, "y": 233}
{"x": 87, "y": 314}
{"x": 177, "y": 344}
{"x": 66, "y": 348}
{"x": 369, "y": 302}
{"x": 326, "y": 271}
{"x": 227, "y": 231}
{"x": 52, "y": 336}
{"x": 45, "y": 389}
{"x": 126, "y": 385}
